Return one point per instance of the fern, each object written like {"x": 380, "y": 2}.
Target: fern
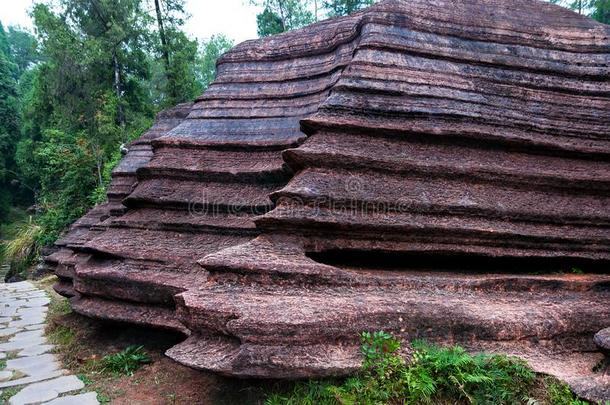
{"x": 434, "y": 374}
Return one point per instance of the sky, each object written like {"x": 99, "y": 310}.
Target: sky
{"x": 208, "y": 17}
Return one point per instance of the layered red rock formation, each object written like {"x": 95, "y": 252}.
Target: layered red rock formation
{"x": 69, "y": 249}
{"x": 458, "y": 160}
{"x": 209, "y": 175}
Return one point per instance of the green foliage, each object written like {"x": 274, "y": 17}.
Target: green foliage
{"x": 211, "y": 50}
{"x": 434, "y": 375}
{"x": 62, "y": 336}
{"x": 22, "y": 249}
{"x": 183, "y": 85}
{"x": 9, "y": 122}
{"x": 596, "y": 9}
{"x": 127, "y": 361}
{"x": 6, "y": 394}
{"x": 90, "y": 81}
{"x": 178, "y": 52}
{"x": 601, "y": 11}
{"x": 268, "y": 23}
{"x": 282, "y": 15}
{"x": 23, "y": 48}
{"x": 560, "y": 394}
{"x": 344, "y": 7}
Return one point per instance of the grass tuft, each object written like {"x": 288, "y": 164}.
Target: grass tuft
{"x": 127, "y": 361}
{"x": 7, "y": 393}
{"x": 22, "y": 249}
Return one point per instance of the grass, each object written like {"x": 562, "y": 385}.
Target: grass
{"x": 21, "y": 248}
{"x": 433, "y": 375}
{"x": 7, "y": 393}
{"x": 126, "y": 361}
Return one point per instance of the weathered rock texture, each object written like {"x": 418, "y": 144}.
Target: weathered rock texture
{"x": 458, "y": 158}
{"x": 69, "y": 250}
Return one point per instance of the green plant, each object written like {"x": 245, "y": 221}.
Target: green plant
{"x": 127, "y": 361}
{"x": 6, "y": 394}
{"x": 102, "y": 397}
{"x": 86, "y": 380}
{"x": 433, "y": 375}
{"x": 22, "y": 249}
{"x": 62, "y": 335}
{"x": 560, "y": 394}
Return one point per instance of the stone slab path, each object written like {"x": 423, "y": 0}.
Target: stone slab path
{"x": 27, "y": 362}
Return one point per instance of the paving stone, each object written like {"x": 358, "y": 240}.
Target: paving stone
{"x": 37, "y": 302}
{"x": 23, "y": 310}
{"x": 25, "y": 334}
{"x": 20, "y": 286}
{"x": 23, "y": 343}
{"x": 34, "y": 327}
{"x": 7, "y": 312}
{"x": 27, "y": 320}
{"x": 89, "y": 398}
{"x": 34, "y": 365}
{"x": 32, "y": 379}
{"x": 46, "y": 390}
{"x": 31, "y": 312}
{"x": 35, "y": 350}
{"x": 8, "y": 331}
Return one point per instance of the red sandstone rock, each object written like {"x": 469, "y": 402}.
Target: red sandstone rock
{"x": 458, "y": 158}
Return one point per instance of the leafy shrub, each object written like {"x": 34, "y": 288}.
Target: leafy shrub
{"x": 434, "y": 375}
{"x": 127, "y": 361}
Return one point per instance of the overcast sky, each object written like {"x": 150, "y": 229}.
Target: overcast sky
{"x": 234, "y": 18}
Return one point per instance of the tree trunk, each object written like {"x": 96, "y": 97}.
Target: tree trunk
{"x": 164, "y": 47}
{"x": 282, "y": 16}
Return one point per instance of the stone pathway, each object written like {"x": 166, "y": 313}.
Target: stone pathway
{"x": 28, "y": 370}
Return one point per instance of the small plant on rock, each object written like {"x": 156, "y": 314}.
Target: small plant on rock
{"x": 127, "y": 361}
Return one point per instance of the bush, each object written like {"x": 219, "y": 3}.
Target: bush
{"x": 434, "y": 375}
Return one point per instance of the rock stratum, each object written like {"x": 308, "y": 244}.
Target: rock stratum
{"x": 438, "y": 170}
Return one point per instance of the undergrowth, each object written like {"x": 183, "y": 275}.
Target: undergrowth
{"x": 126, "y": 361}
{"x": 433, "y": 375}
{"x": 560, "y": 394}
{"x": 19, "y": 248}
